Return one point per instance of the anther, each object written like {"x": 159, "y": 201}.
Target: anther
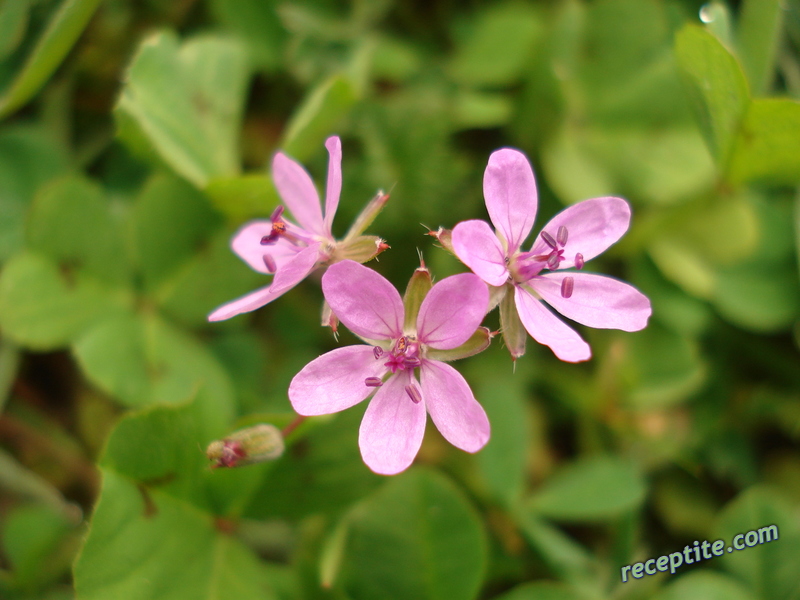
{"x": 373, "y": 382}
{"x": 377, "y": 352}
{"x": 413, "y": 362}
{"x": 548, "y": 239}
{"x": 553, "y": 261}
{"x": 276, "y": 213}
{"x": 579, "y": 261}
{"x": 414, "y": 394}
{"x": 561, "y": 236}
{"x": 269, "y": 262}
{"x": 567, "y": 285}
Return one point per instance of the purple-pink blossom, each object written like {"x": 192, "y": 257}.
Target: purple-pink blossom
{"x": 573, "y": 237}
{"x": 394, "y": 423}
{"x": 290, "y": 251}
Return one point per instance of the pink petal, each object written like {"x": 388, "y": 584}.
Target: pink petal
{"x": 298, "y": 193}
{"x": 510, "y": 192}
{"x": 296, "y": 269}
{"x": 334, "y": 381}
{"x": 364, "y": 301}
{"x": 292, "y": 273}
{"x": 592, "y": 226}
{"x": 246, "y": 303}
{"x": 246, "y": 243}
{"x": 453, "y": 408}
{"x": 452, "y": 311}
{"x": 477, "y": 246}
{"x": 549, "y": 330}
{"x": 393, "y": 426}
{"x": 334, "y": 188}
{"x": 596, "y": 301}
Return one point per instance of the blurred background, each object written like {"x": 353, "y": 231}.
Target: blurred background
{"x": 136, "y": 137}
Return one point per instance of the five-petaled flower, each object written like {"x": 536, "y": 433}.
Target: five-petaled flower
{"x": 572, "y": 237}
{"x": 290, "y": 252}
{"x": 394, "y": 423}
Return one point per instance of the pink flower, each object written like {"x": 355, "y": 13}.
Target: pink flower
{"x": 394, "y": 423}
{"x": 574, "y": 236}
{"x": 288, "y": 251}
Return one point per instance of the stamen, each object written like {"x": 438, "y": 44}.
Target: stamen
{"x": 373, "y": 382}
{"x": 561, "y": 236}
{"x": 548, "y": 239}
{"x": 553, "y": 261}
{"x": 377, "y": 352}
{"x": 567, "y": 285}
{"x": 414, "y": 394}
{"x": 413, "y": 362}
{"x": 579, "y": 261}
{"x": 268, "y": 240}
{"x": 276, "y": 213}
{"x": 269, "y": 262}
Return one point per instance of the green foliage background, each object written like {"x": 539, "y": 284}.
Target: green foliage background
{"x": 136, "y": 138}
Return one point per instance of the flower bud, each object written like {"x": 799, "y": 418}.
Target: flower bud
{"x": 444, "y": 237}
{"x": 252, "y": 445}
{"x": 360, "y": 249}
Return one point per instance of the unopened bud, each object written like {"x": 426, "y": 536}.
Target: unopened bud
{"x": 249, "y": 446}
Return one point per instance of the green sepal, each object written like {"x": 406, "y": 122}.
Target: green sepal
{"x": 418, "y": 287}
{"x": 361, "y": 249}
{"x": 514, "y": 333}
{"x": 496, "y": 295}
{"x": 259, "y": 443}
{"x": 367, "y": 216}
{"x": 478, "y": 342}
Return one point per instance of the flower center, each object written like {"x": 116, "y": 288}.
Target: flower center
{"x": 282, "y": 229}
{"x": 527, "y": 265}
{"x": 404, "y": 354}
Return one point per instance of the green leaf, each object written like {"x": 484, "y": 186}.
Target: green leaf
{"x": 416, "y": 537}
{"x": 540, "y": 590}
{"x": 503, "y": 461}
{"x": 186, "y": 101}
{"x": 768, "y": 145}
{"x": 61, "y": 33}
{"x": 757, "y": 40}
{"x": 323, "y": 474}
{"x": 317, "y": 116}
{"x": 43, "y": 308}
{"x": 661, "y": 367}
{"x": 171, "y": 221}
{"x": 34, "y": 539}
{"x": 176, "y": 549}
{"x": 72, "y": 222}
{"x": 717, "y": 86}
{"x": 590, "y": 489}
{"x": 766, "y": 567}
{"x": 258, "y": 25}
{"x": 214, "y": 276}
{"x": 164, "y": 448}
{"x": 705, "y": 585}
{"x": 497, "y": 46}
{"x": 244, "y": 197}
{"x": 13, "y": 23}
{"x": 567, "y": 558}
{"x": 142, "y": 360}
{"x": 28, "y": 158}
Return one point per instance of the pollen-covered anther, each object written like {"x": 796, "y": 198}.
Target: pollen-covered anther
{"x": 269, "y": 262}
{"x": 373, "y": 382}
{"x": 567, "y": 285}
{"x": 562, "y": 235}
{"x": 579, "y": 261}
{"x": 549, "y": 240}
{"x": 414, "y": 394}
